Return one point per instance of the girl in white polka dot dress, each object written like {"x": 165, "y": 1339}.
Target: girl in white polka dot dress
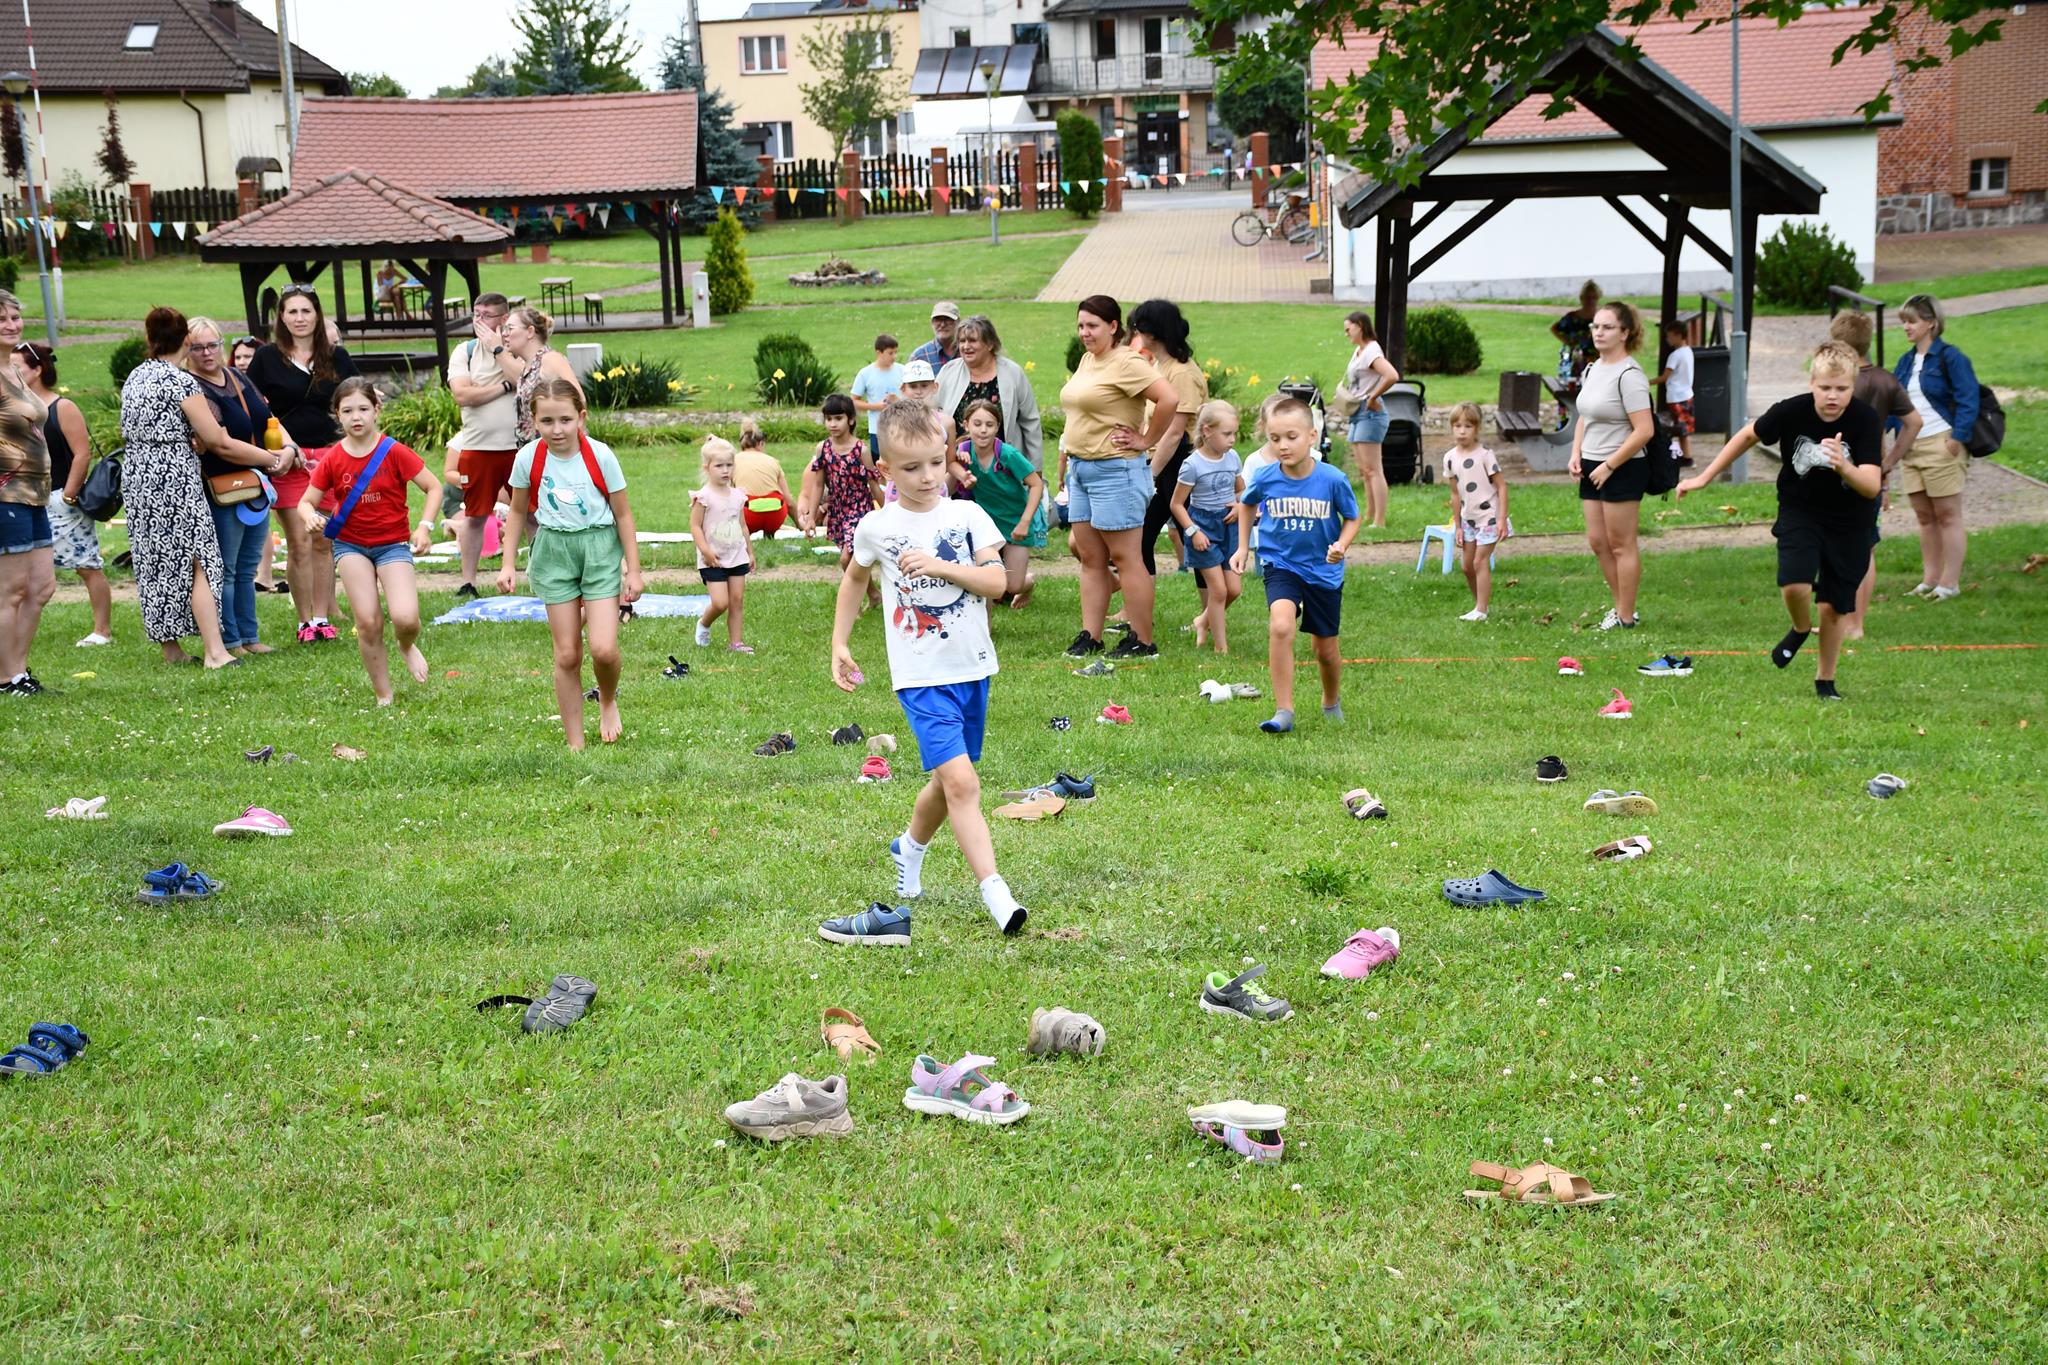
{"x": 1479, "y": 504}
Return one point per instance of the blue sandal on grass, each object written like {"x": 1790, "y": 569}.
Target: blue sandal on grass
{"x": 30, "y": 1060}
{"x": 66, "y": 1040}
{"x": 177, "y": 883}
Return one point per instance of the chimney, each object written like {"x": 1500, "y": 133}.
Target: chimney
{"x": 226, "y": 13}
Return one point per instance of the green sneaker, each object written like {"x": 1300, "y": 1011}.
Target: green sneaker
{"x": 1236, "y": 996}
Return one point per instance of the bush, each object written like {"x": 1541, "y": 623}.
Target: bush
{"x": 1081, "y": 159}
{"x": 126, "y": 357}
{"x": 425, "y": 419}
{"x": 1798, "y": 263}
{"x": 1440, "y": 341}
{"x": 1074, "y": 352}
{"x": 1222, "y": 378}
{"x": 10, "y": 273}
{"x": 725, "y": 261}
{"x": 790, "y": 373}
{"x": 637, "y": 383}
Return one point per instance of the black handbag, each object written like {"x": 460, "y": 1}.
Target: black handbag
{"x": 100, "y": 496}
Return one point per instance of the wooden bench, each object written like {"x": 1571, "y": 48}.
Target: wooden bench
{"x": 1518, "y": 414}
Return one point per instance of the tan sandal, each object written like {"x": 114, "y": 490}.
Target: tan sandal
{"x": 1524, "y": 1186}
{"x": 845, "y": 1032}
{"x": 1038, "y": 808}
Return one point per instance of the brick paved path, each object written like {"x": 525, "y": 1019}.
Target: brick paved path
{"x": 1186, "y": 255}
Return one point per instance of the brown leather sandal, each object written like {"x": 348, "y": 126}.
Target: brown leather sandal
{"x": 1526, "y": 1186}
{"x": 1036, "y": 809}
{"x": 845, "y": 1032}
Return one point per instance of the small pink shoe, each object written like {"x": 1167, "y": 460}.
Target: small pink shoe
{"x": 1619, "y": 708}
{"x": 255, "y": 820}
{"x": 1363, "y": 951}
{"x": 1568, "y": 667}
{"x": 1113, "y": 714}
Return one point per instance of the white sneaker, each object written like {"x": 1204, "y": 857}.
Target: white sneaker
{"x": 95, "y": 639}
{"x": 703, "y": 636}
{"x": 1473, "y": 615}
{"x": 1920, "y": 590}
{"x": 1943, "y": 594}
{"x": 1610, "y": 620}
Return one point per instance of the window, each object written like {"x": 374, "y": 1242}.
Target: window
{"x": 882, "y": 54}
{"x": 763, "y": 56}
{"x": 1105, "y": 39}
{"x": 879, "y": 139}
{"x": 963, "y": 37}
{"x": 142, "y": 37}
{"x": 1029, "y": 35}
{"x": 1988, "y": 174}
{"x": 777, "y": 139}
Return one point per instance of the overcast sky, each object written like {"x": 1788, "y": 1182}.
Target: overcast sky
{"x": 431, "y": 43}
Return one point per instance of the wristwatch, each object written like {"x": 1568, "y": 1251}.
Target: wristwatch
{"x": 497, "y": 350}
{"x": 509, "y": 385}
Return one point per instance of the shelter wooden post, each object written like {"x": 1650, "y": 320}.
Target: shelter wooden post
{"x": 1382, "y": 260}
{"x": 1395, "y": 339}
{"x": 764, "y": 182}
{"x": 437, "y": 302}
{"x": 1674, "y": 243}
{"x": 671, "y": 266}
{"x": 253, "y": 275}
{"x": 942, "y": 184}
{"x": 341, "y": 296}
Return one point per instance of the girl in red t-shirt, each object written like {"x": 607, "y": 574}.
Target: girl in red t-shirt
{"x": 368, "y": 527}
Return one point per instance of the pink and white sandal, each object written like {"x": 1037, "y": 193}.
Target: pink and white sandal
{"x": 962, "y": 1091}
{"x": 1246, "y": 1143}
{"x": 255, "y": 820}
{"x": 1621, "y": 850}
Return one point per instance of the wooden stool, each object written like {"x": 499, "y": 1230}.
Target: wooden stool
{"x": 593, "y": 308}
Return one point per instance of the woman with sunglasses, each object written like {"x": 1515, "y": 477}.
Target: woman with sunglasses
{"x": 298, "y": 371}
{"x": 75, "y": 537}
{"x": 244, "y": 352}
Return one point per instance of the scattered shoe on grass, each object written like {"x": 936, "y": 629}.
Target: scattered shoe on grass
{"x": 962, "y": 1090}
{"x": 1362, "y": 953}
{"x": 1624, "y": 849}
{"x": 794, "y": 1107}
{"x": 255, "y": 820}
{"x": 1618, "y": 709}
{"x": 1236, "y": 996}
{"x": 880, "y": 744}
{"x": 774, "y": 745}
{"x": 1489, "y": 889}
{"x": 1537, "y": 1183}
{"x": 261, "y": 755}
{"x": 1261, "y": 1145}
{"x": 879, "y": 925}
{"x": 79, "y": 808}
{"x": 844, "y": 1032}
{"x": 1065, "y": 1030}
{"x": 347, "y": 753}
{"x": 1037, "y": 808}
{"x": 1550, "y": 768}
{"x": 1605, "y": 802}
{"x": 1885, "y": 786}
{"x": 567, "y": 1000}
{"x": 1064, "y": 785}
{"x": 1101, "y": 668}
{"x": 1113, "y": 714}
{"x": 178, "y": 882}
{"x": 875, "y": 769}
{"x": 1667, "y": 666}
{"x": 1363, "y": 805}
{"x": 676, "y": 670}
{"x": 849, "y": 734}
{"x": 1061, "y": 723}
{"x": 1568, "y": 667}
{"x": 1239, "y": 1114}
{"x": 50, "y": 1047}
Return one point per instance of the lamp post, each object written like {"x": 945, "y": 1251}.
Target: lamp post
{"x": 17, "y": 85}
{"x": 991, "y": 82}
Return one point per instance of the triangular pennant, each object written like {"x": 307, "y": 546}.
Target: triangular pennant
{"x": 557, "y": 221}
{"x": 203, "y": 228}
{"x": 82, "y": 224}
{"x": 739, "y": 194}
{"x": 156, "y": 229}
{"x": 130, "y": 225}
{"x": 629, "y": 213}
{"x": 1066, "y": 187}
{"x": 792, "y": 192}
{"x": 604, "y": 215}
{"x": 866, "y": 196}
{"x": 1294, "y": 166}
{"x": 1181, "y": 176}
{"x": 63, "y": 229}
{"x": 1084, "y": 184}
{"x": 591, "y": 207}
{"x": 842, "y": 194}
{"x": 718, "y": 194}
{"x": 180, "y": 229}
{"x": 1160, "y": 178}
{"x": 942, "y": 193}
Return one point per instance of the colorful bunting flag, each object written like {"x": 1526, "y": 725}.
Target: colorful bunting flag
{"x": 604, "y": 215}
{"x": 629, "y": 213}
{"x": 83, "y": 225}
{"x": 739, "y": 194}
{"x": 942, "y": 193}
{"x": 792, "y": 191}
{"x": 718, "y": 194}
{"x": 156, "y": 229}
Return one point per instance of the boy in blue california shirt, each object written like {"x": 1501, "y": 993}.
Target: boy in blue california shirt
{"x": 1308, "y": 517}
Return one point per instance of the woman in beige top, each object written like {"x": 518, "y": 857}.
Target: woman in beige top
{"x": 1106, "y": 487}
{"x": 1608, "y": 451}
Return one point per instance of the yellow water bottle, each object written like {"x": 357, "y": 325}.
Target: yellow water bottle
{"x": 273, "y": 436}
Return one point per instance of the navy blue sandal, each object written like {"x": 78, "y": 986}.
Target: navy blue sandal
{"x": 1491, "y": 889}
{"x": 66, "y": 1040}
{"x": 29, "y": 1060}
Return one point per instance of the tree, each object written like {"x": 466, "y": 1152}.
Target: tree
{"x": 858, "y": 84}
{"x": 725, "y": 262}
{"x": 1437, "y": 64}
{"x": 573, "y": 47}
{"x": 492, "y": 79}
{"x": 1080, "y": 159}
{"x": 1273, "y": 106}
{"x": 374, "y": 83}
{"x": 113, "y": 157}
{"x": 10, "y": 133}
{"x": 679, "y": 68}
{"x": 722, "y": 159}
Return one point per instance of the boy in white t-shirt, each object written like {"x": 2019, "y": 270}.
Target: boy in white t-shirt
{"x": 1676, "y": 377}
{"x": 941, "y": 563}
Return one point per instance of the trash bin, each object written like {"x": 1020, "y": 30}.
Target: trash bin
{"x": 1401, "y": 452}
{"x": 1710, "y": 388}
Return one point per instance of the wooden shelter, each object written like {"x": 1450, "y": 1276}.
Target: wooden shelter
{"x": 1686, "y": 134}
{"x": 352, "y": 215}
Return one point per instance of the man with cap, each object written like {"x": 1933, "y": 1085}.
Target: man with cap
{"x": 940, "y": 349}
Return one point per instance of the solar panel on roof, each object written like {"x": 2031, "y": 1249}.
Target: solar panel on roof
{"x": 930, "y": 64}
{"x": 959, "y": 67}
{"x": 1017, "y": 67}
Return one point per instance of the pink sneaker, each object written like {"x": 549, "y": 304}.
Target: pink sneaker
{"x": 325, "y": 631}
{"x": 255, "y": 820}
{"x": 1568, "y": 667}
{"x": 1363, "y": 951}
{"x": 1113, "y": 714}
{"x": 1619, "y": 708}
{"x": 307, "y": 635}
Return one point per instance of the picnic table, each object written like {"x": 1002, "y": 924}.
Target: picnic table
{"x": 556, "y": 291}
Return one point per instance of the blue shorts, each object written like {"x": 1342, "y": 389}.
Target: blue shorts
{"x": 23, "y": 529}
{"x": 1367, "y": 425}
{"x": 1110, "y": 495}
{"x": 1221, "y": 528}
{"x": 1321, "y": 609}
{"x": 948, "y": 720}
{"x": 378, "y": 555}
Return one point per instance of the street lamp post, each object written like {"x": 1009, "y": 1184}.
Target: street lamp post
{"x": 991, "y": 82}
{"x": 17, "y": 85}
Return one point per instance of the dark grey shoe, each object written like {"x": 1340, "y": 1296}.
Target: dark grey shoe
{"x": 1237, "y": 996}
{"x": 567, "y": 999}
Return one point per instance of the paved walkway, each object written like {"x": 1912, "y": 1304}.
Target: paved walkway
{"x": 1187, "y": 255}
{"x": 1929, "y": 255}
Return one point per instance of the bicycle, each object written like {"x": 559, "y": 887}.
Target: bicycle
{"x": 1290, "y": 221}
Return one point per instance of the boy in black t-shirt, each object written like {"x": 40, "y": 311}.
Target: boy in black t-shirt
{"x": 1832, "y": 447}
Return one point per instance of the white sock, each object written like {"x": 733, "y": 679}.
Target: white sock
{"x": 909, "y": 856}
{"x": 1003, "y": 907}
{"x": 318, "y": 621}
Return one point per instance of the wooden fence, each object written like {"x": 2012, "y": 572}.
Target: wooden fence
{"x": 102, "y": 222}
{"x": 902, "y": 183}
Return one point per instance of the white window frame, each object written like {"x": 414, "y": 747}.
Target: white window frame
{"x": 781, "y": 139}
{"x": 963, "y": 37}
{"x": 142, "y": 36}
{"x": 765, "y": 54}
{"x": 1983, "y": 169}
{"x": 891, "y": 131}
{"x": 886, "y": 57}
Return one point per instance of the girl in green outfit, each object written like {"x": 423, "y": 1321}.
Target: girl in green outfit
{"x": 1011, "y": 490}
{"x": 586, "y": 558}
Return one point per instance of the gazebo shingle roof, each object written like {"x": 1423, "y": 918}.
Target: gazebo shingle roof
{"x": 353, "y": 208}
{"x": 537, "y": 148}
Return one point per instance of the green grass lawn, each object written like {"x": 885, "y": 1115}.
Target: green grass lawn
{"x": 823, "y": 235}
{"x": 1013, "y": 270}
{"x": 1803, "y": 1038}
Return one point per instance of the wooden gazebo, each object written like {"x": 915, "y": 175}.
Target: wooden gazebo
{"x": 352, "y": 215}
{"x": 1686, "y": 134}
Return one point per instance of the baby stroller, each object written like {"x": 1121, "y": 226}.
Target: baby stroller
{"x": 1401, "y": 452}
{"x": 1319, "y": 420}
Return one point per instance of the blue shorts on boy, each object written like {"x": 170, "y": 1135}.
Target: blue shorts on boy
{"x": 940, "y": 653}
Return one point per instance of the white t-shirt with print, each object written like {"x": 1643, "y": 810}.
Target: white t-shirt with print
{"x": 937, "y": 631}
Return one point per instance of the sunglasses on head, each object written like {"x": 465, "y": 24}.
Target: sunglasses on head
{"x": 292, "y": 289}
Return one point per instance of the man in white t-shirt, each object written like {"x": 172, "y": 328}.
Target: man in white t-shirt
{"x": 941, "y": 562}
{"x": 480, "y": 456}
{"x": 1676, "y": 378}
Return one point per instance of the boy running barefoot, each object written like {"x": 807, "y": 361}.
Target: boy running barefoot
{"x": 1832, "y": 446}
{"x": 941, "y": 562}
{"x": 1308, "y": 517}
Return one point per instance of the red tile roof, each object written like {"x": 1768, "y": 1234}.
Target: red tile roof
{"x": 353, "y": 208}
{"x": 533, "y": 148}
{"x": 1787, "y": 79}
{"x": 81, "y": 45}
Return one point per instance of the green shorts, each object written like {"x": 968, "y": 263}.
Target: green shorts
{"x": 567, "y": 565}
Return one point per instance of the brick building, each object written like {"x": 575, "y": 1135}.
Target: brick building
{"x": 1970, "y": 152}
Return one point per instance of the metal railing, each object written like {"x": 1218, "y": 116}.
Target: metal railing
{"x": 1144, "y": 71}
{"x": 1837, "y": 295}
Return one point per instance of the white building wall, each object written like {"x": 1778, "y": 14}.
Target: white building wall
{"x": 990, "y": 24}
{"x": 1539, "y": 248}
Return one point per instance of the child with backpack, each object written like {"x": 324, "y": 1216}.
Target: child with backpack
{"x": 371, "y": 531}
{"x": 586, "y": 557}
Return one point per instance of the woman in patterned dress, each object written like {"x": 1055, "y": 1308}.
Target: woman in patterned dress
{"x": 522, "y": 352}
{"x": 178, "y": 571}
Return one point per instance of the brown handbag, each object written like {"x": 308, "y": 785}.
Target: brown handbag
{"x": 238, "y": 486}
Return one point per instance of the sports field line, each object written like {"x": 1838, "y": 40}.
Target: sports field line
{"x": 1700, "y": 653}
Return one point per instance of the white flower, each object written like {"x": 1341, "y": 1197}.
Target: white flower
{"x": 1568, "y": 977}
{"x": 1542, "y": 1000}
{"x": 1507, "y": 1071}
{"x": 1740, "y": 1092}
{"x": 1546, "y": 1142}
{"x": 1767, "y": 1146}
{"x": 1371, "y": 1015}
{"x": 1774, "y": 1120}
{"x": 1681, "y": 1108}
{"x": 1799, "y": 1099}
{"x": 1727, "y": 1108}
{"x": 1598, "y": 1081}
{"x": 1296, "y": 1187}
{"x": 718, "y": 1142}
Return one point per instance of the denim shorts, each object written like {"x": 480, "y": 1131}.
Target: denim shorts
{"x": 1367, "y": 425}
{"x": 1221, "y": 528}
{"x": 23, "y": 529}
{"x": 1110, "y": 495}
{"x": 398, "y": 552}
{"x": 948, "y": 720}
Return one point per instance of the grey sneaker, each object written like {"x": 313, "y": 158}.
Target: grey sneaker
{"x": 567, "y": 999}
{"x": 1063, "y": 1030}
{"x": 1237, "y": 996}
{"x": 794, "y": 1107}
